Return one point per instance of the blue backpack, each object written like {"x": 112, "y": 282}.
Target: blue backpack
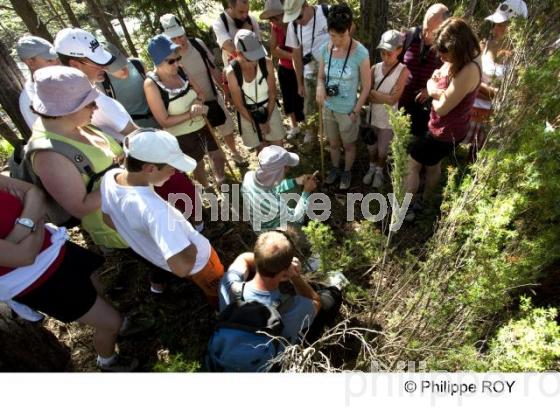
{"x": 242, "y": 340}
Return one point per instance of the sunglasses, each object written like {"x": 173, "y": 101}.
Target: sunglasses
{"x": 172, "y": 61}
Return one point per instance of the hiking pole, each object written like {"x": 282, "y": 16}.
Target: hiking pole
{"x": 228, "y": 165}
{"x": 322, "y": 143}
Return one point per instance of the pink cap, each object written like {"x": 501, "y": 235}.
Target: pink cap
{"x": 61, "y": 91}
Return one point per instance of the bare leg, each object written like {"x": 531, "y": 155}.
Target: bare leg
{"x": 413, "y": 177}
{"x": 293, "y": 120}
{"x": 372, "y": 153}
{"x": 230, "y": 142}
{"x": 107, "y": 322}
{"x": 349, "y": 156}
{"x": 433, "y": 173}
{"x": 218, "y": 161}
{"x": 334, "y": 148}
{"x": 200, "y": 174}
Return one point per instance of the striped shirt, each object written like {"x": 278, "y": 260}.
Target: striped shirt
{"x": 268, "y": 206}
{"x": 421, "y": 69}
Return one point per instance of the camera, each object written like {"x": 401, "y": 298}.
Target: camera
{"x": 259, "y": 114}
{"x": 332, "y": 90}
{"x": 307, "y": 58}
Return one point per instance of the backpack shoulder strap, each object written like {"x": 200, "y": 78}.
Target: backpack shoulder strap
{"x": 409, "y": 37}
{"x": 162, "y": 92}
{"x": 182, "y": 74}
{"x": 325, "y": 8}
{"x": 264, "y": 69}
{"x": 237, "y": 71}
{"x": 137, "y": 63}
{"x": 207, "y": 63}
{"x": 107, "y": 86}
{"x": 224, "y": 20}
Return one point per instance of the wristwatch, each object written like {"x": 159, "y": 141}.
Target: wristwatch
{"x": 28, "y": 223}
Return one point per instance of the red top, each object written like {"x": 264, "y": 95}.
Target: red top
{"x": 452, "y": 127}
{"x": 281, "y": 40}
{"x": 11, "y": 210}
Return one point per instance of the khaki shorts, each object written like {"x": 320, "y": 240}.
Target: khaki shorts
{"x": 249, "y": 134}
{"x": 339, "y": 126}
{"x": 310, "y": 103}
{"x": 227, "y": 127}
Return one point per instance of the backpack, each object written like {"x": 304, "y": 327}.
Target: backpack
{"x": 163, "y": 91}
{"x": 410, "y": 35}
{"x": 226, "y": 24}
{"x": 108, "y": 87}
{"x": 242, "y": 340}
{"x": 207, "y": 63}
{"x": 324, "y": 8}
{"x": 23, "y": 170}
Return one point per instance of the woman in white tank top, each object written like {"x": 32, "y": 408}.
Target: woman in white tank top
{"x": 388, "y": 79}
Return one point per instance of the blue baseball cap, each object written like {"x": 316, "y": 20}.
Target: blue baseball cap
{"x": 161, "y": 47}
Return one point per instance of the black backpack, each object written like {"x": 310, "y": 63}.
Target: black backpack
{"x": 226, "y": 24}
{"x": 108, "y": 87}
{"x": 163, "y": 91}
{"x": 410, "y": 36}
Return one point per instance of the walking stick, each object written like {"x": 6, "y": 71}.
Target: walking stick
{"x": 211, "y": 129}
{"x": 322, "y": 143}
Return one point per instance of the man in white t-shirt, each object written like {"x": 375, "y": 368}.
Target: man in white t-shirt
{"x": 79, "y": 49}
{"x": 199, "y": 63}
{"x": 226, "y": 26}
{"x": 306, "y": 33}
{"x": 154, "y": 229}
{"x": 36, "y": 53}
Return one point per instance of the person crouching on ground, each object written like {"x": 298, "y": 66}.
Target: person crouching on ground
{"x": 154, "y": 229}
{"x": 262, "y": 190}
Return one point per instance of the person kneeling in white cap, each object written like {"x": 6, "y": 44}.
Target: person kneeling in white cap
{"x": 153, "y": 228}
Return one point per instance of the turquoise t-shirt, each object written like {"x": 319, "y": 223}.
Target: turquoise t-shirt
{"x": 130, "y": 92}
{"x": 347, "y": 82}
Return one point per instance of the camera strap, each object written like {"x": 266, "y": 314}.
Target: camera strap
{"x": 312, "y": 33}
{"x": 343, "y": 66}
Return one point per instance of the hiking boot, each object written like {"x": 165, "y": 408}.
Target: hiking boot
{"x": 345, "y": 180}
{"x": 120, "y": 364}
{"x": 378, "y": 178}
{"x": 309, "y": 137}
{"x": 332, "y": 176}
{"x": 293, "y": 133}
{"x": 368, "y": 177}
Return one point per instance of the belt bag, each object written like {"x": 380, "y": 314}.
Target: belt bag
{"x": 216, "y": 115}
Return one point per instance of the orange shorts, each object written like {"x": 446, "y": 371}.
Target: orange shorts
{"x": 208, "y": 279}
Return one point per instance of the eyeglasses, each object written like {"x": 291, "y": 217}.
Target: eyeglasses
{"x": 173, "y": 60}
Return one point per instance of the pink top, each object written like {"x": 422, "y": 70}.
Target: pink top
{"x": 281, "y": 40}
{"x": 453, "y": 126}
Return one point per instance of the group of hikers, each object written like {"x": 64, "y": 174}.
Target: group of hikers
{"x": 111, "y": 141}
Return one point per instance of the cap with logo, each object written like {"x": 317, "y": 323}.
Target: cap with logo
{"x": 61, "y": 90}
{"x": 157, "y": 147}
{"x": 391, "y": 40}
{"x": 249, "y": 45}
{"x": 32, "y": 46}
{"x": 272, "y": 8}
{"x": 171, "y": 26}
{"x": 292, "y": 9}
{"x": 507, "y": 10}
{"x": 75, "y": 42}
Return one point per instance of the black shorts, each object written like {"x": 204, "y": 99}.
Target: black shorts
{"x": 419, "y": 118}
{"x": 429, "y": 151}
{"x": 68, "y": 294}
{"x": 197, "y": 143}
{"x": 158, "y": 275}
{"x": 292, "y": 101}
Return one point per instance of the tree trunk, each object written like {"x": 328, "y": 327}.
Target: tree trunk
{"x": 55, "y": 13}
{"x": 189, "y": 20}
{"x": 470, "y": 9}
{"x": 29, "y": 347}
{"x": 125, "y": 30}
{"x": 70, "y": 13}
{"x": 25, "y": 11}
{"x": 99, "y": 16}
{"x": 11, "y": 84}
{"x": 372, "y": 25}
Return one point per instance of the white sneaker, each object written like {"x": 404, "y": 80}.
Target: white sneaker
{"x": 368, "y": 177}
{"x": 378, "y": 179}
{"x": 309, "y": 137}
{"x": 313, "y": 262}
{"x": 337, "y": 279}
{"x": 293, "y": 132}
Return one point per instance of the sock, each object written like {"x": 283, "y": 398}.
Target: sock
{"x": 154, "y": 290}
{"x": 106, "y": 361}
{"x": 372, "y": 165}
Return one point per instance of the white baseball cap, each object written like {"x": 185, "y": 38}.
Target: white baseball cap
{"x": 157, "y": 147}
{"x": 171, "y": 26}
{"x": 75, "y": 42}
{"x": 507, "y": 10}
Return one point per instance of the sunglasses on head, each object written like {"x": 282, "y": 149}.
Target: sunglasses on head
{"x": 172, "y": 61}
